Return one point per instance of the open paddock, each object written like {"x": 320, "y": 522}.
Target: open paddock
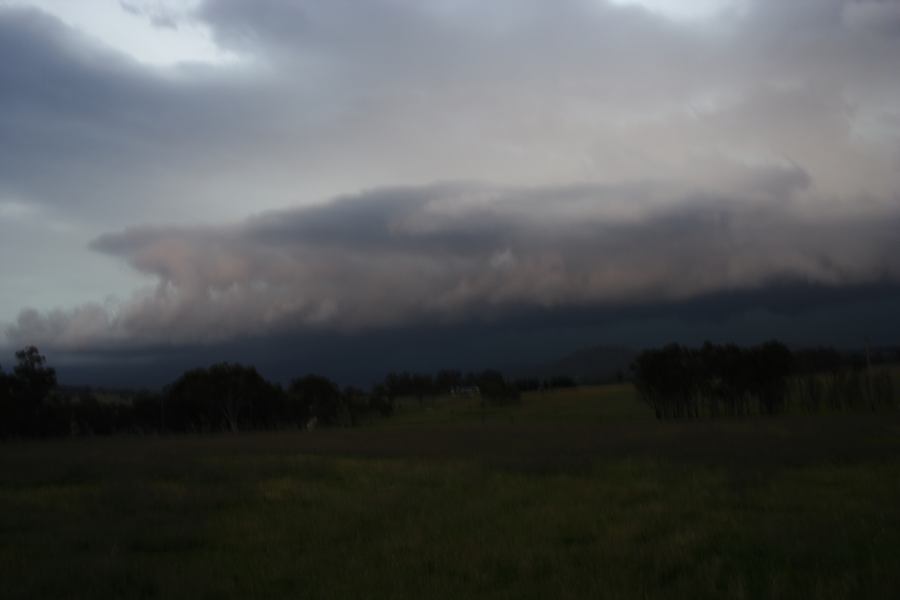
{"x": 450, "y": 501}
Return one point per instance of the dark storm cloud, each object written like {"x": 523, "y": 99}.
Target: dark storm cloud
{"x": 631, "y": 159}
{"x": 53, "y": 96}
{"x": 800, "y": 314}
{"x": 93, "y": 134}
{"x": 452, "y": 252}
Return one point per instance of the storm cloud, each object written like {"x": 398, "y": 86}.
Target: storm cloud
{"x": 340, "y": 96}
{"x": 361, "y": 166}
{"x": 453, "y": 252}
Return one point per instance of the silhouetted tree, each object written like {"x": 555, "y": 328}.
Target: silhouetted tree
{"x": 771, "y": 365}
{"x": 7, "y": 412}
{"x": 314, "y": 396}
{"x": 225, "y": 396}
{"x": 148, "y": 412}
{"x": 447, "y": 380}
{"x": 34, "y": 377}
{"x": 32, "y": 382}
{"x": 681, "y": 382}
{"x": 381, "y": 401}
{"x": 495, "y": 388}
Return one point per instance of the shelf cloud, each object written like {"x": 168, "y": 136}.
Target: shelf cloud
{"x": 361, "y": 166}
{"x": 450, "y": 252}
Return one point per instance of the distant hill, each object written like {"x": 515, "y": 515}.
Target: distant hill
{"x": 598, "y": 364}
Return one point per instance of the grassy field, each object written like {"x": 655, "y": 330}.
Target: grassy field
{"x": 572, "y": 494}
{"x": 575, "y": 405}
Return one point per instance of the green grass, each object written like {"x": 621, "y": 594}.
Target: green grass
{"x": 572, "y": 495}
{"x": 576, "y": 405}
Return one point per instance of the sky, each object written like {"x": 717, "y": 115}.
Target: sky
{"x": 456, "y": 181}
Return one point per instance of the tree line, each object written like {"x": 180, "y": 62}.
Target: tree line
{"x": 490, "y": 384}
{"x": 679, "y": 382}
{"x": 222, "y": 397}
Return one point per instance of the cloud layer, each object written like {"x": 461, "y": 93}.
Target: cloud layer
{"x": 340, "y": 96}
{"x": 454, "y": 252}
{"x": 618, "y": 157}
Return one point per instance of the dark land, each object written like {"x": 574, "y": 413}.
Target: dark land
{"x": 575, "y": 493}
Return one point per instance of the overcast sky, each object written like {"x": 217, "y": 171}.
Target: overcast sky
{"x": 178, "y": 173}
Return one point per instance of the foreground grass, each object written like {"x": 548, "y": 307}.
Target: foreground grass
{"x": 756, "y": 508}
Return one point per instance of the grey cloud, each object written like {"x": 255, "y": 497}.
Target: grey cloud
{"x": 431, "y": 48}
{"x": 94, "y": 134}
{"x": 450, "y": 252}
{"x": 347, "y": 95}
{"x": 159, "y": 15}
{"x": 240, "y": 24}
{"x": 882, "y": 16}
{"x": 773, "y": 132}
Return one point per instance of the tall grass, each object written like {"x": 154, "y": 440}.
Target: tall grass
{"x": 604, "y": 502}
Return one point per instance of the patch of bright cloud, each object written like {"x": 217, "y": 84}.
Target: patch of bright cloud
{"x": 11, "y": 210}
{"x": 682, "y": 10}
{"x": 155, "y": 33}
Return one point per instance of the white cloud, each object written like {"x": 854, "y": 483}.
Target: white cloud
{"x": 687, "y": 10}
{"x": 138, "y": 32}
